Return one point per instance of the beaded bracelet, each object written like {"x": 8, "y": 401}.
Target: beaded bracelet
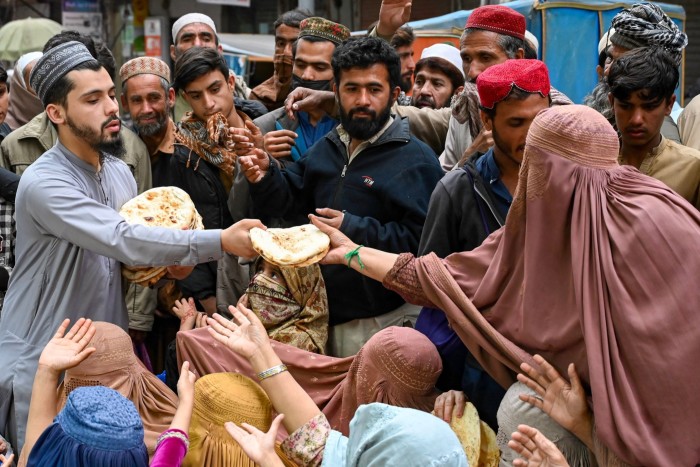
{"x": 275, "y": 370}
{"x": 356, "y": 252}
{"x": 174, "y": 433}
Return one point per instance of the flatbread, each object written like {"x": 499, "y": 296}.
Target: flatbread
{"x": 298, "y": 246}
{"x": 489, "y": 455}
{"x": 168, "y": 207}
{"x": 468, "y": 431}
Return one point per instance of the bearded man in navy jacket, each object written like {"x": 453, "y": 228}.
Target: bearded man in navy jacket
{"x": 369, "y": 177}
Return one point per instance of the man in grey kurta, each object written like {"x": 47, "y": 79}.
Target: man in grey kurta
{"x": 71, "y": 241}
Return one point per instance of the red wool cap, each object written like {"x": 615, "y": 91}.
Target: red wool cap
{"x": 495, "y": 83}
{"x": 499, "y": 19}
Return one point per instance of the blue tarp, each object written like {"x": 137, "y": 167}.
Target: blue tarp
{"x": 568, "y": 32}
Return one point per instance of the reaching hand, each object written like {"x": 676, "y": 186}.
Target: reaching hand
{"x": 185, "y": 385}
{"x": 187, "y": 312}
{"x": 259, "y": 446}
{"x": 565, "y": 403}
{"x": 331, "y": 217}
{"x": 236, "y": 239}
{"x": 446, "y": 402}
{"x": 392, "y": 15}
{"x": 6, "y": 461}
{"x": 536, "y": 449}
{"x": 340, "y": 244}
{"x": 308, "y": 99}
{"x": 255, "y": 165}
{"x": 278, "y": 143}
{"x": 62, "y": 353}
{"x": 247, "y": 338}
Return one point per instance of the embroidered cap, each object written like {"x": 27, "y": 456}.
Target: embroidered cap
{"x": 495, "y": 83}
{"x": 55, "y": 64}
{"x": 144, "y": 66}
{"x": 499, "y": 19}
{"x": 323, "y": 28}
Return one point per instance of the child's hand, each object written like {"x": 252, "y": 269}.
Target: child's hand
{"x": 258, "y": 445}
{"x": 185, "y": 385}
{"x": 187, "y": 312}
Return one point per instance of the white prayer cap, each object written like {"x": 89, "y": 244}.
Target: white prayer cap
{"x": 445, "y": 52}
{"x": 530, "y": 37}
{"x": 604, "y": 40}
{"x": 191, "y": 18}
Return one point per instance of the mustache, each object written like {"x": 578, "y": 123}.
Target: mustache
{"x": 425, "y": 100}
{"x": 365, "y": 110}
{"x": 110, "y": 120}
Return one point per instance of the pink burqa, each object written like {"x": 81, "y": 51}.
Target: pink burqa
{"x": 598, "y": 265}
{"x": 397, "y": 366}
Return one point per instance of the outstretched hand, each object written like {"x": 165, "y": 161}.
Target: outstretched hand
{"x": 6, "y": 461}
{"x": 258, "y": 445}
{"x": 236, "y": 239}
{"x": 340, "y": 243}
{"x": 392, "y": 15}
{"x": 563, "y": 401}
{"x": 66, "y": 351}
{"x": 535, "y": 449}
{"x": 305, "y": 99}
{"x": 247, "y": 338}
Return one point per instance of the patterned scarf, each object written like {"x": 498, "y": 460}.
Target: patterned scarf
{"x": 646, "y": 25}
{"x": 208, "y": 140}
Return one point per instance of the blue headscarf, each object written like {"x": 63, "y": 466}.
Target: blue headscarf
{"x": 98, "y": 427}
{"x": 383, "y": 435}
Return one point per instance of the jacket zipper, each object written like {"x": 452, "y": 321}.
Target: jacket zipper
{"x": 493, "y": 212}
{"x": 339, "y": 187}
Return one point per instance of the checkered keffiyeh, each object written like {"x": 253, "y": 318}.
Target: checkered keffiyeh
{"x": 8, "y": 234}
{"x": 646, "y": 25}
{"x": 144, "y": 66}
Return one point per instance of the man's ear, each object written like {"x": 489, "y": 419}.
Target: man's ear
{"x": 669, "y": 104}
{"x": 232, "y": 81}
{"x": 220, "y": 48}
{"x": 486, "y": 120}
{"x": 611, "y": 99}
{"x": 56, "y": 114}
{"x": 395, "y": 93}
{"x": 520, "y": 54}
{"x": 458, "y": 91}
{"x": 171, "y": 96}
{"x": 124, "y": 101}
{"x": 172, "y": 53}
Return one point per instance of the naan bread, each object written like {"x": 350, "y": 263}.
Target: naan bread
{"x": 468, "y": 431}
{"x": 489, "y": 455}
{"x": 169, "y": 207}
{"x": 296, "y": 246}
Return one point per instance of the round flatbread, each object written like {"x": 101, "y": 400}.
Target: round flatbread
{"x": 489, "y": 455}
{"x": 168, "y": 207}
{"x": 296, "y": 246}
{"x": 468, "y": 431}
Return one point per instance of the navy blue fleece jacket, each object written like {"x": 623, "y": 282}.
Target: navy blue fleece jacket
{"x": 384, "y": 192}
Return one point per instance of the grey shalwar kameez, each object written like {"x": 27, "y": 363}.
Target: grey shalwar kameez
{"x": 70, "y": 242}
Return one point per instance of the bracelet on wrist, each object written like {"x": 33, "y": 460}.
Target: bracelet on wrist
{"x": 275, "y": 370}
{"x": 351, "y": 254}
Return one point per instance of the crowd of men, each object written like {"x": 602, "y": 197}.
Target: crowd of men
{"x": 400, "y": 155}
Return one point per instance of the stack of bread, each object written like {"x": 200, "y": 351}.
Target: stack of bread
{"x": 168, "y": 207}
{"x": 298, "y": 246}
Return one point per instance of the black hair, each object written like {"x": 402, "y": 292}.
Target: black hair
{"x": 530, "y": 52}
{"x": 196, "y": 62}
{"x": 443, "y": 66}
{"x": 647, "y": 69}
{"x": 515, "y": 94}
{"x": 509, "y": 44}
{"x": 403, "y": 37}
{"x": 308, "y": 39}
{"x": 58, "y": 93}
{"x": 97, "y": 48}
{"x": 363, "y": 52}
{"x": 292, "y": 18}
{"x": 3, "y": 76}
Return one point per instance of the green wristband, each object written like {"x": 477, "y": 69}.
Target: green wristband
{"x": 356, "y": 252}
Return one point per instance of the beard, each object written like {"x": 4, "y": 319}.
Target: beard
{"x": 427, "y": 101}
{"x": 598, "y": 100}
{"x": 364, "y": 128}
{"x": 406, "y": 83}
{"x": 152, "y": 129}
{"x": 105, "y": 146}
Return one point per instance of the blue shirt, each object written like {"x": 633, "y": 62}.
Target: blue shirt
{"x": 488, "y": 169}
{"x": 309, "y": 134}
